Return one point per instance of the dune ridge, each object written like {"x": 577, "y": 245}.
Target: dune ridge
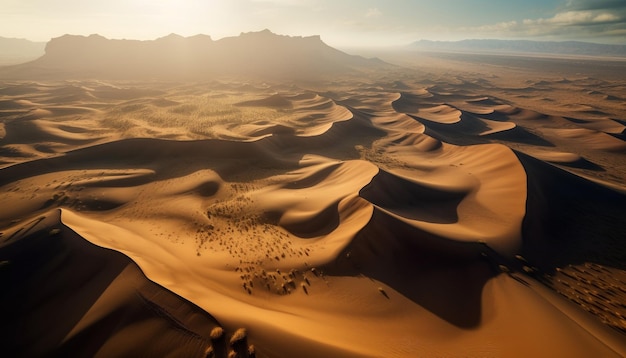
{"x": 114, "y": 309}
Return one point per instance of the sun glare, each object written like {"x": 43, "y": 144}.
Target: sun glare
{"x": 185, "y": 17}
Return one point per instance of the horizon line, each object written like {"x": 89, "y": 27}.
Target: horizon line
{"x": 325, "y": 41}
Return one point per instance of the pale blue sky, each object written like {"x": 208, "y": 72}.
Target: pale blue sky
{"x": 340, "y": 23}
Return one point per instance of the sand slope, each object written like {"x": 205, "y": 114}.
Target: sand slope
{"x": 69, "y": 297}
{"x": 385, "y": 218}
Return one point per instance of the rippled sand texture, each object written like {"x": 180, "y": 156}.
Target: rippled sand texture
{"x": 446, "y": 215}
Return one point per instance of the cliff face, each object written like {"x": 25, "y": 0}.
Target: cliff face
{"x": 96, "y": 56}
{"x": 257, "y": 54}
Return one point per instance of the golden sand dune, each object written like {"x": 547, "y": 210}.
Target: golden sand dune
{"x": 387, "y": 218}
{"x": 66, "y": 292}
{"x": 590, "y": 138}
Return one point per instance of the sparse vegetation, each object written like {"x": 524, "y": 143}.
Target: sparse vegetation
{"x": 239, "y": 344}
{"x": 239, "y": 336}
{"x": 218, "y": 343}
{"x": 209, "y": 353}
{"x": 217, "y": 333}
{"x": 598, "y": 289}
{"x": 198, "y": 114}
{"x": 383, "y": 292}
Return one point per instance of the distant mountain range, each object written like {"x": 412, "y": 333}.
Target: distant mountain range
{"x": 262, "y": 55}
{"x": 523, "y": 46}
{"x": 254, "y": 55}
{"x": 14, "y": 51}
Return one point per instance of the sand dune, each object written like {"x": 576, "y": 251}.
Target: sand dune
{"x": 591, "y": 138}
{"x": 433, "y": 216}
{"x": 112, "y": 309}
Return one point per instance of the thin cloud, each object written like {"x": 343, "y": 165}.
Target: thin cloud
{"x": 373, "y": 13}
{"x": 281, "y": 2}
{"x": 596, "y": 5}
{"x": 579, "y": 19}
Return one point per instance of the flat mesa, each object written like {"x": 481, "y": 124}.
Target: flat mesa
{"x": 454, "y": 207}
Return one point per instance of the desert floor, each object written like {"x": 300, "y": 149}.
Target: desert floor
{"x": 460, "y": 207}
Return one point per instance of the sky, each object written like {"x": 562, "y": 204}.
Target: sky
{"x": 340, "y": 23}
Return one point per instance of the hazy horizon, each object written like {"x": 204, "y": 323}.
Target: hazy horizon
{"x": 340, "y": 46}
{"x": 346, "y": 24}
